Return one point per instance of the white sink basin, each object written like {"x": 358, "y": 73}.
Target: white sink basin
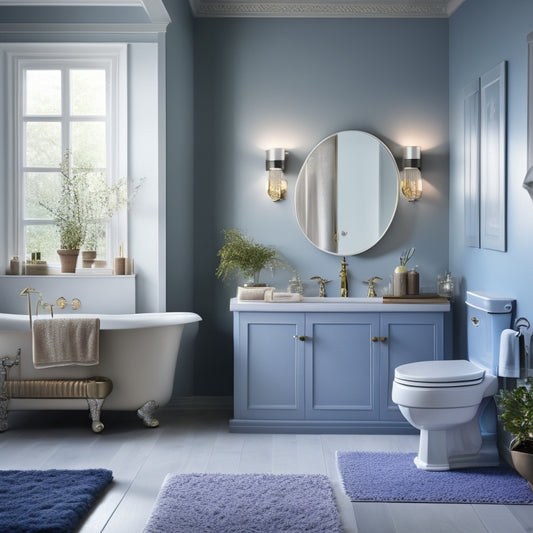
{"x": 340, "y": 300}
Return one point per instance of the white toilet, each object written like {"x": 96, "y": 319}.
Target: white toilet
{"x": 446, "y": 400}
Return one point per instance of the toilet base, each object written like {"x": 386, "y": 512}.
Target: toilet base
{"x": 486, "y": 456}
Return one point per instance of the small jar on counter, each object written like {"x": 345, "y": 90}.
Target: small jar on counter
{"x": 14, "y": 266}
{"x": 413, "y": 282}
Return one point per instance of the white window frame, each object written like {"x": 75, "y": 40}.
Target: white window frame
{"x": 112, "y": 57}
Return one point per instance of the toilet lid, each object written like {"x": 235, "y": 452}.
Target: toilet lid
{"x": 439, "y": 374}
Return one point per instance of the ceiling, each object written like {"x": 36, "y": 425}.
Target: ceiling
{"x": 279, "y": 8}
{"x": 325, "y": 8}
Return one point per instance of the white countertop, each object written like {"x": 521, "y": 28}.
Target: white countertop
{"x": 337, "y": 305}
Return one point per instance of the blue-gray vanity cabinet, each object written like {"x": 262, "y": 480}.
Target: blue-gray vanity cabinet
{"x": 268, "y": 366}
{"x": 326, "y": 371}
{"x": 341, "y": 366}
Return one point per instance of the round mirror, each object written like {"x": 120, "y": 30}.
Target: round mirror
{"x": 347, "y": 193}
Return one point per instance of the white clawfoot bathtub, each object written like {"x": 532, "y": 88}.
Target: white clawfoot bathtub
{"x": 138, "y": 352}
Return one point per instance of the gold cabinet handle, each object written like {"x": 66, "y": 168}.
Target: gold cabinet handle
{"x": 383, "y": 339}
{"x": 374, "y": 339}
{"x": 300, "y": 337}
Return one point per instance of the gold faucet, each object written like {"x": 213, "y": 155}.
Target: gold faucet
{"x": 372, "y": 286}
{"x": 322, "y": 285}
{"x": 344, "y": 279}
{"x": 28, "y": 291}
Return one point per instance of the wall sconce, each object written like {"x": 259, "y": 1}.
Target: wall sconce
{"x": 411, "y": 178}
{"x": 275, "y": 164}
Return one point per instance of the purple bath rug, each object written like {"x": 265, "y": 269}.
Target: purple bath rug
{"x": 48, "y": 501}
{"x": 251, "y": 503}
{"x": 393, "y": 477}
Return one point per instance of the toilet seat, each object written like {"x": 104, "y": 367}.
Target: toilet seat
{"x": 439, "y": 374}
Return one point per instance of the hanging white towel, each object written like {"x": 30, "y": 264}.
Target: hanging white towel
{"x": 509, "y": 364}
{"x": 65, "y": 341}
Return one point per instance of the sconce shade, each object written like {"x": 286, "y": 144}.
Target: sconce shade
{"x": 275, "y": 158}
{"x": 275, "y": 164}
{"x": 411, "y": 178}
{"x": 277, "y": 186}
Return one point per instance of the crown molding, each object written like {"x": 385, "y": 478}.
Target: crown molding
{"x": 331, "y": 9}
{"x": 155, "y": 9}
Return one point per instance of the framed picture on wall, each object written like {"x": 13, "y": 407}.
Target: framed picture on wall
{"x": 492, "y": 164}
{"x": 485, "y": 167}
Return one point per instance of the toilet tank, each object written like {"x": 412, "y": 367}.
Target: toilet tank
{"x": 488, "y": 316}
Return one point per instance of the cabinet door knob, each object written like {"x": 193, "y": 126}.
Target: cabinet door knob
{"x": 383, "y": 339}
{"x": 374, "y": 339}
{"x": 300, "y": 337}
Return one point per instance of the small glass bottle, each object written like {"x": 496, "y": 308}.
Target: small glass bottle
{"x": 295, "y": 285}
{"x": 446, "y": 286}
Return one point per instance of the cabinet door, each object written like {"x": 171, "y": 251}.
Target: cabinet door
{"x": 269, "y": 366}
{"x": 409, "y": 337}
{"x": 341, "y": 366}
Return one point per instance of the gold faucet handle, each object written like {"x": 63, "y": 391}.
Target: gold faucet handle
{"x": 61, "y": 302}
{"x": 320, "y": 280}
{"x": 373, "y": 280}
{"x": 322, "y": 285}
{"x": 371, "y": 286}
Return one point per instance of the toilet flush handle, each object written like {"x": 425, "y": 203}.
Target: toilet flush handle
{"x": 475, "y": 321}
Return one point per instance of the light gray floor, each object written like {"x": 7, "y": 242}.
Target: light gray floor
{"x": 199, "y": 441}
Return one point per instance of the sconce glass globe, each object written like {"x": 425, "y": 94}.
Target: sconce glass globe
{"x": 411, "y": 183}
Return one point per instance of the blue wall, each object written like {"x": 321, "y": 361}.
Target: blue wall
{"x": 262, "y": 83}
{"x": 482, "y": 34}
{"x": 180, "y": 179}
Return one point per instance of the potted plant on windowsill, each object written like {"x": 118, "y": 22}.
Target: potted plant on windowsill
{"x": 85, "y": 200}
{"x": 516, "y": 412}
{"x": 240, "y": 254}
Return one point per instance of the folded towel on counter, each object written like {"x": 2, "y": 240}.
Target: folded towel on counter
{"x": 252, "y": 293}
{"x": 509, "y": 362}
{"x": 65, "y": 341}
{"x": 283, "y": 297}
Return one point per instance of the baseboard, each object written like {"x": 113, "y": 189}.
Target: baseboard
{"x": 200, "y": 402}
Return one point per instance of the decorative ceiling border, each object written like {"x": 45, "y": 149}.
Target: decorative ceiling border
{"x": 438, "y": 9}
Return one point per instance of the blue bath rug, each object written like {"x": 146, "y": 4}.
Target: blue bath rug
{"x": 48, "y": 501}
{"x": 244, "y": 503}
{"x": 393, "y": 477}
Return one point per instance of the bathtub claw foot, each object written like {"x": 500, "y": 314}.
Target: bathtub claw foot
{"x": 145, "y": 414}
{"x": 95, "y": 408}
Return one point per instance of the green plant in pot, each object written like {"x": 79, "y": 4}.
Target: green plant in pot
{"x": 240, "y": 254}
{"x": 85, "y": 200}
{"x": 516, "y": 412}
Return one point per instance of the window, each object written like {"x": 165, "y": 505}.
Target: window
{"x": 65, "y": 99}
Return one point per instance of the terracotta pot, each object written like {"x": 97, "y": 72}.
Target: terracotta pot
{"x": 68, "y": 260}
{"x": 523, "y": 463}
{"x": 87, "y": 258}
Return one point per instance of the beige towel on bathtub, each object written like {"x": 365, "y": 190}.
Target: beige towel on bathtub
{"x": 65, "y": 341}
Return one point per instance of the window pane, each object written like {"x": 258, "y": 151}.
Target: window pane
{"x": 43, "y": 144}
{"x": 89, "y": 144}
{"x": 40, "y": 186}
{"x": 44, "y": 239}
{"x": 87, "y": 92}
{"x": 43, "y": 92}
